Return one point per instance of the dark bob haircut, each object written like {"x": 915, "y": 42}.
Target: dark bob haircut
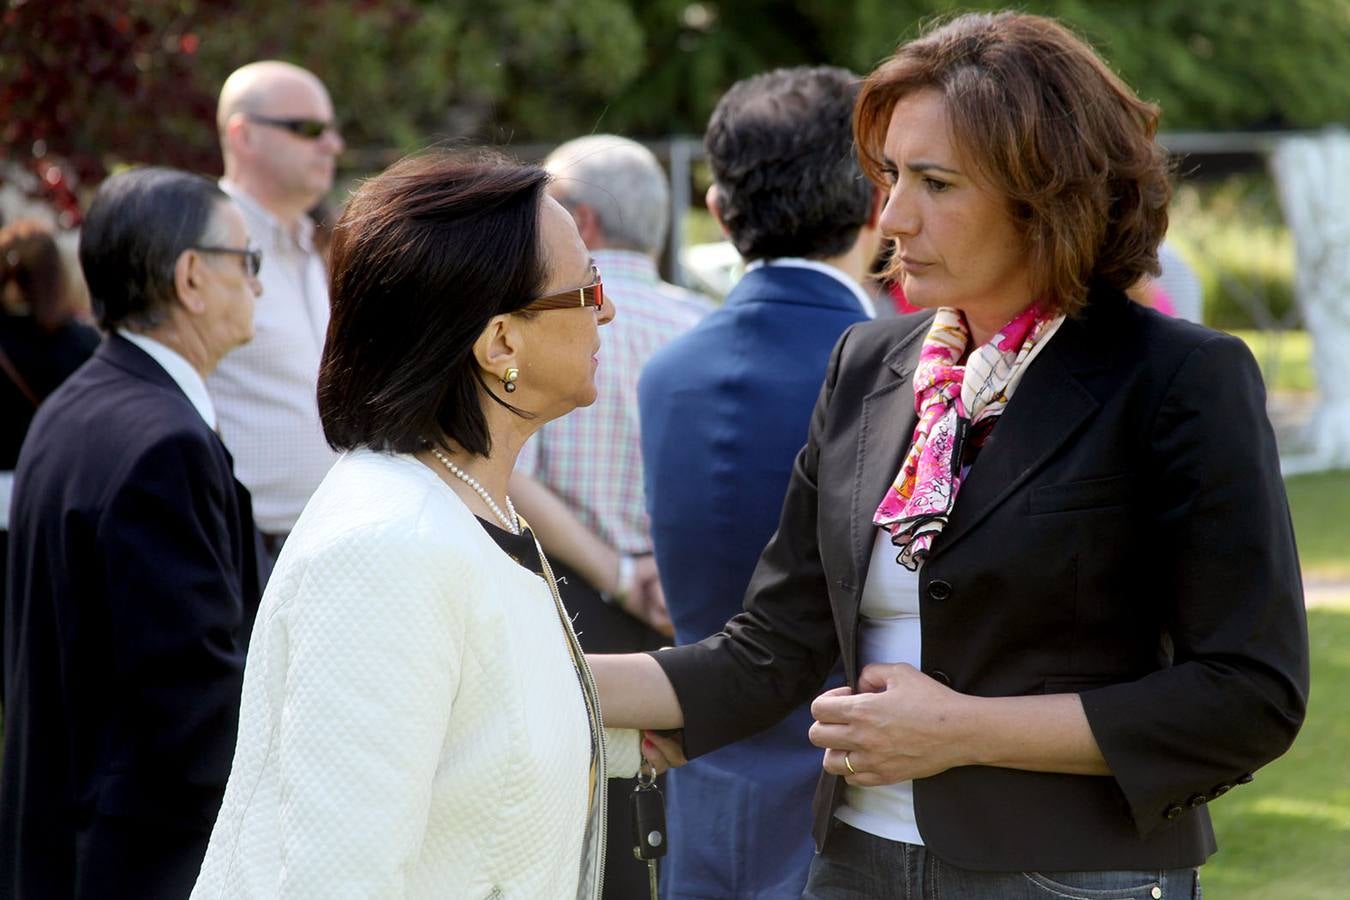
{"x": 781, "y": 152}
{"x": 423, "y": 256}
{"x": 140, "y": 222}
{"x": 1048, "y": 125}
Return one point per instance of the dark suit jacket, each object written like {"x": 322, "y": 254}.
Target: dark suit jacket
{"x": 725, "y": 408}
{"x": 132, "y": 588}
{"x": 1123, "y": 534}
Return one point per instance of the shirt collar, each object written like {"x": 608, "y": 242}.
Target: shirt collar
{"x": 797, "y": 262}
{"x": 630, "y": 264}
{"x": 264, "y": 226}
{"x": 189, "y": 381}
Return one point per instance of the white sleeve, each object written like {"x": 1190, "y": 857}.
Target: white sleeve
{"x": 375, "y": 639}
{"x": 623, "y": 754}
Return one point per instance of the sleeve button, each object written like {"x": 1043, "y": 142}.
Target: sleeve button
{"x": 1197, "y": 800}
{"x": 1245, "y": 778}
{"x": 940, "y": 676}
{"x": 1172, "y": 812}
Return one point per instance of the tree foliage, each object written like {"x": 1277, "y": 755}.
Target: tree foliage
{"x": 1210, "y": 64}
{"x": 86, "y": 85}
{"x": 83, "y": 78}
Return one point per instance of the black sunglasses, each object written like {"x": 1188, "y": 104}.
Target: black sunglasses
{"x": 252, "y": 256}
{"x": 309, "y": 129}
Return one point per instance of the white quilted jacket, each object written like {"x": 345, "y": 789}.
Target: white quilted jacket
{"x": 412, "y": 721}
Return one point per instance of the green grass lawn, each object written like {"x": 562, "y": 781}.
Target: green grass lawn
{"x": 1321, "y": 510}
{"x": 1287, "y": 834}
{"x": 1285, "y": 358}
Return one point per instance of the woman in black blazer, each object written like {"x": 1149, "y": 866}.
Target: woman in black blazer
{"x": 1043, "y": 527}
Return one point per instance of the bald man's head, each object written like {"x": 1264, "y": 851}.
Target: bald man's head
{"x": 248, "y": 87}
{"x": 278, "y": 135}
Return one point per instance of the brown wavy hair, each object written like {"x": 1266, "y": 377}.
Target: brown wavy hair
{"x": 1052, "y": 128}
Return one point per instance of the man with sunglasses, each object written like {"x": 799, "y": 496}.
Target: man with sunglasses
{"x": 134, "y": 562}
{"x": 280, "y": 142}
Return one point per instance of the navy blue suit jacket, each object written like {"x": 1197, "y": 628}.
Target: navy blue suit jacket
{"x": 725, "y": 408}
{"x": 133, "y": 583}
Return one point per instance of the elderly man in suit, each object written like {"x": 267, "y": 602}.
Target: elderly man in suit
{"x": 134, "y": 571}
{"x": 724, "y": 410}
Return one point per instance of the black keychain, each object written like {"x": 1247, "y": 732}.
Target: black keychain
{"x": 648, "y": 815}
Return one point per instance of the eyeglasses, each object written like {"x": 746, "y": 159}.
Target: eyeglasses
{"x": 252, "y": 256}
{"x": 592, "y": 294}
{"x": 309, "y": 129}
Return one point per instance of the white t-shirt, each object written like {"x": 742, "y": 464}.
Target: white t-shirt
{"x": 888, "y": 632}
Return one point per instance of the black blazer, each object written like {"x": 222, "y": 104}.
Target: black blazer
{"x": 133, "y": 584}
{"x": 1124, "y": 535}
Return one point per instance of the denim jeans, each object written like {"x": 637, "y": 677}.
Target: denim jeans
{"x": 861, "y": 866}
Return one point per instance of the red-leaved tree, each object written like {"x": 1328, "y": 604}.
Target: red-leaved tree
{"x": 85, "y": 84}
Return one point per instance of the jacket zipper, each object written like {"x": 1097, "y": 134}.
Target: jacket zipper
{"x": 592, "y": 700}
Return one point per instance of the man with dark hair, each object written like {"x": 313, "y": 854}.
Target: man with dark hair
{"x": 133, "y": 579}
{"x": 724, "y": 410}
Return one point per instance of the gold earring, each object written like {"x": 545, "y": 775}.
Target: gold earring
{"x": 509, "y": 379}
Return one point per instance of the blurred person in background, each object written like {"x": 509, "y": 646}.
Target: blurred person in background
{"x": 725, "y": 409}
{"x": 418, "y": 719}
{"x": 579, "y": 479}
{"x": 280, "y": 142}
{"x": 1042, "y": 526}
{"x": 1176, "y": 289}
{"x": 41, "y": 343}
{"x": 134, "y": 563}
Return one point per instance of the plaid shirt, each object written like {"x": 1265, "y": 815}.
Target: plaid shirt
{"x": 591, "y": 458}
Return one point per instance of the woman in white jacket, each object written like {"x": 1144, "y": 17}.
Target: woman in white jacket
{"x": 417, "y": 717}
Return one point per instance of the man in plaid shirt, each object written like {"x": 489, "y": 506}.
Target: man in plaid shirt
{"x": 579, "y": 479}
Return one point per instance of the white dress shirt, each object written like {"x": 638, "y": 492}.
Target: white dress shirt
{"x": 815, "y": 265}
{"x": 265, "y": 390}
{"x": 188, "y": 379}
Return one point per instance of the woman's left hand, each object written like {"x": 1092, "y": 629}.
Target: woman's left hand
{"x": 663, "y": 752}
{"x": 899, "y": 725}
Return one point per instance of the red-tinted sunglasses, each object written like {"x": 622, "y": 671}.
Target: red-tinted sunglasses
{"x": 592, "y": 294}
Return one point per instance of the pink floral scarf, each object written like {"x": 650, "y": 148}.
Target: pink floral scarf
{"x": 957, "y": 406}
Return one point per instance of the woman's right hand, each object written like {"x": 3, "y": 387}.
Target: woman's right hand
{"x": 663, "y": 752}
{"x": 899, "y": 725}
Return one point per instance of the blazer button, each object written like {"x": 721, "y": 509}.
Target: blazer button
{"x": 1197, "y": 800}
{"x": 940, "y": 676}
{"x": 939, "y": 590}
{"x": 1172, "y": 812}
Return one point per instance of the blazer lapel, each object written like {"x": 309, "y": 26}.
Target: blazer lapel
{"x": 885, "y": 426}
{"x": 1050, "y": 405}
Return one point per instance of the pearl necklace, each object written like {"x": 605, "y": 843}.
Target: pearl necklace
{"x": 513, "y": 523}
